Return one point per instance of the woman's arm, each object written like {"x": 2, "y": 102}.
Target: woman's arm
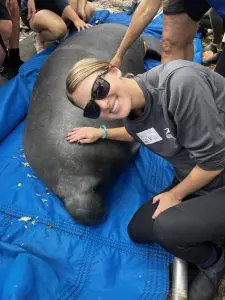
{"x": 81, "y": 9}
{"x": 119, "y": 134}
{"x": 86, "y": 135}
{"x": 200, "y": 130}
{"x": 70, "y": 14}
{"x": 197, "y": 179}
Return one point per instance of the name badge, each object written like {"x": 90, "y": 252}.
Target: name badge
{"x": 149, "y": 136}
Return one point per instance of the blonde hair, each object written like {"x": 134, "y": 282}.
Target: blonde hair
{"x": 80, "y": 71}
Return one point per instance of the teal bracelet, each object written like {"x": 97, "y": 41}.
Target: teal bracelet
{"x": 105, "y": 135}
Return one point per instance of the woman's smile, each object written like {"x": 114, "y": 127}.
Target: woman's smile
{"x": 115, "y": 107}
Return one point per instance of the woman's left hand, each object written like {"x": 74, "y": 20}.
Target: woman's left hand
{"x": 166, "y": 200}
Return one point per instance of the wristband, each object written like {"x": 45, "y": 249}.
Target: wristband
{"x": 105, "y": 135}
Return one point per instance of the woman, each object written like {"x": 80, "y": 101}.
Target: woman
{"x": 49, "y": 19}
{"x": 178, "y": 111}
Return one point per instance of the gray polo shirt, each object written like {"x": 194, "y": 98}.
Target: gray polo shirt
{"x": 184, "y": 118}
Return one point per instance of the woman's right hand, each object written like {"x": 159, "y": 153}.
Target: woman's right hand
{"x": 116, "y": 61}
{"x": 84, "y": 135}
{"x": 81, "y": 25}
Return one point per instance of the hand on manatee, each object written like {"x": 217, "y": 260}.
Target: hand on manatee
{"x": 84, "y": 135}
{"x": 116, "y": 61}
{"x": 81, "y": 25}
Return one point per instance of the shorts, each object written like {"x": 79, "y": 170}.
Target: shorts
{"x": 4, "y": 15}
{"x": 194, "y": 8}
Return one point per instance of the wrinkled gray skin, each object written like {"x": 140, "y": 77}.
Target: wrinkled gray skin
{"x": 76, "y": 173}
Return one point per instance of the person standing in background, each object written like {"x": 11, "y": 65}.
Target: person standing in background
{"x": 51, "y": 18}
{"x": 9, "y": 38}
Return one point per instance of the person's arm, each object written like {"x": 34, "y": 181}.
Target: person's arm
{"x": 70, "y": 14}
{"x": 199, "y": 129}
{"x": 197, "y": 179}
{"x": 81, "y": 9}
{"x": 87, "y": 135}
{"x": 119, "y": 134}
{"x": 143, "y": 15}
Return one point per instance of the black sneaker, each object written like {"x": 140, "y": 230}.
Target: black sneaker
{"x": 7, "y": 72}
{"x": 10, "y": 68}
{"x": 205, "y": 285}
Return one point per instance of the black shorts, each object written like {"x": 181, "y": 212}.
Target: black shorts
{"x": 4, "y": 15}
{"x": 194, "y": 8}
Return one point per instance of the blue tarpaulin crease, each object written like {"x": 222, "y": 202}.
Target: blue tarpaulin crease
{"x": 44, "y": 253}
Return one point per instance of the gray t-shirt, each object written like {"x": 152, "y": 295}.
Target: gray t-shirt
{"x": 184, "y": 118}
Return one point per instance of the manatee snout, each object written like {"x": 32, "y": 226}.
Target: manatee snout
{"x": 87, "y": 209}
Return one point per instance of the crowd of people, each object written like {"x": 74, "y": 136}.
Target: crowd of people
{"x": 177, "y": 110}
{"x": 51, "y": 20}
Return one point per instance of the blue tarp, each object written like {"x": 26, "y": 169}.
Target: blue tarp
{"x": 44, "y": 254}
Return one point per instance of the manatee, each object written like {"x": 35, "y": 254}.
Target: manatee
{"x": 77, "y": 174}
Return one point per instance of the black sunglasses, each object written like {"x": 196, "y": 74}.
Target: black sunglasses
{"x": 99, "y": 91}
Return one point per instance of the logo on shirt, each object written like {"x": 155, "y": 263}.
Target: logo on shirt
{"x": 149, "y": 136}
{"x": 168, "y": 134}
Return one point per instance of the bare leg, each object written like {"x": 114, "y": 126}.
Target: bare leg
{"x": 49, "y": 26}
{"x": 178, "y": 34}
{"x": 5, "y": 32}
{"x": 83, "y": 8}
{"x": 2, "y": 54}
